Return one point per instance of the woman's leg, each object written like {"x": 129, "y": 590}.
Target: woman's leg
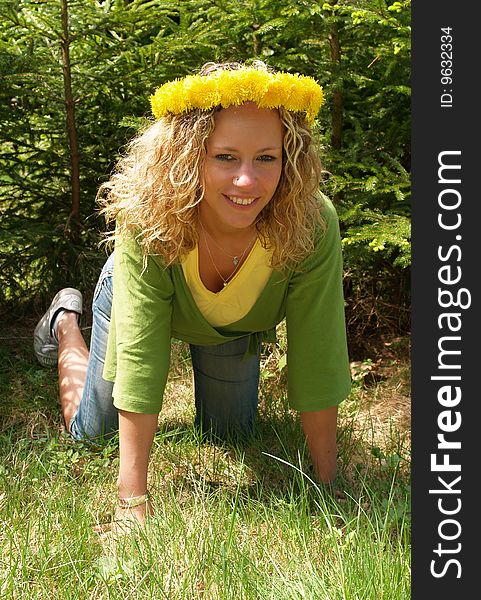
{"x": 95, "y": 415}
{"x": 226, "y": 388}
{"x": 73, "y": 358}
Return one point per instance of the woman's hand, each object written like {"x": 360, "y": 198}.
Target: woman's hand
{"x": 126, "y": 518}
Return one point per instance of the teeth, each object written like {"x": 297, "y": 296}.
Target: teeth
{"x": 243, "y": 201}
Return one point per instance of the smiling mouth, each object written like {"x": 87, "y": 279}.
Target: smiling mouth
{"x": 241, "y": 201}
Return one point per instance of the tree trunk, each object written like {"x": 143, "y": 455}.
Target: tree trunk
{"x": 337, "y": 97}
{"x": 73, "y": 223}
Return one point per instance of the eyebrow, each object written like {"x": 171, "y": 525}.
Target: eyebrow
{"x": 231, "y": 149}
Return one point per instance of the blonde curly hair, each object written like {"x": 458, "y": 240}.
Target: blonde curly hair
{"x": 157, "y": 186}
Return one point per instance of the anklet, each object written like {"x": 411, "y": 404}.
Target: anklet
{"x": 134, "y": 501}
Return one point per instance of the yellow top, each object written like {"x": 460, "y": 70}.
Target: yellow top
{"x": 237, "y": 298}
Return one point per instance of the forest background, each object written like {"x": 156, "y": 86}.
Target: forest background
{"x": 75, "y": 81}
{"x": 230, "y": 523}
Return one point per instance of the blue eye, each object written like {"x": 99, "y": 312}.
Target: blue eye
{"x": 267, "y": 158}
{"x": 226, "y": 157}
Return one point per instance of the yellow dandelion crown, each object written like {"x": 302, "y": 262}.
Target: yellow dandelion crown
{"x": 227, "y": 87}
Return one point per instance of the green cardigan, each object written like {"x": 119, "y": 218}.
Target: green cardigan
{"x": 151, "y": 305}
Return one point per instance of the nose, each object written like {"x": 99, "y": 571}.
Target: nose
{"x": 245, "y": 177}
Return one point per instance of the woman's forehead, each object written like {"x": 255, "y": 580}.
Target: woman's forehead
{"x": 248, "y": 120}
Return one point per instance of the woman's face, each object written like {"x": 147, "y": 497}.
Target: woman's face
{"x": 242, "y": 167}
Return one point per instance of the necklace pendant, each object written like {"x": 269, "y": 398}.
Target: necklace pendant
{"x": 235, "y": 260}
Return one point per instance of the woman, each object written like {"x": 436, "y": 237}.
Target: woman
{"x": 220, "y": 234}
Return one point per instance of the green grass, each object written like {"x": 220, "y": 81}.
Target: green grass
{"x": 230, "y": 522}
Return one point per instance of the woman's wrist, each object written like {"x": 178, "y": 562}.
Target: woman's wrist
{"x": 137, "y": 508}
{"x": 129, "y": 502}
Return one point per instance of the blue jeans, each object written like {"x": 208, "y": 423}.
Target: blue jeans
{"x": 226, "y": 381}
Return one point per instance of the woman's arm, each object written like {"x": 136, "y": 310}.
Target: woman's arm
{"x": 317, "y": 352}
{"x": 320, "y": 428}
{"x": 138, "y": 362}
{"x": 136, "y": 434}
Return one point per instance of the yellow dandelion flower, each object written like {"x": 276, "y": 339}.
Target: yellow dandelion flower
{"x": 179, "y": 102}
{"x": 296, "y": 93}
{"x": 277, "y": 93}
{"x": 204, "y": 93}
{"x": 314, "y": 98}
{"x": 297, "y": 99}
{"x": 168, "y": 99}
{"x": 232, "y": 91}
{"x": 253, "y": 83}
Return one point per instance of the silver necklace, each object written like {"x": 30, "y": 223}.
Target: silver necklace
{"x": 235, "y": 259}
{"x": 239, "y": 259}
